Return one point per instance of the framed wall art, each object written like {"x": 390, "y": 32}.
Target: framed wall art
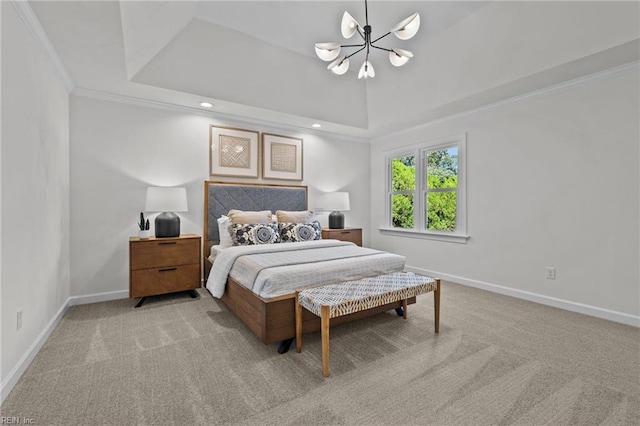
{"x": 282, "y": 157}
{"x": 233, "y": 152}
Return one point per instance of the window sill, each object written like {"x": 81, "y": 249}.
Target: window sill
{"x": 427, "y": 235}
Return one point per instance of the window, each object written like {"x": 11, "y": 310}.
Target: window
{"x": 403, "y": 188}
{"x": 425, "y": 193}
{"x": 440, "y": 191}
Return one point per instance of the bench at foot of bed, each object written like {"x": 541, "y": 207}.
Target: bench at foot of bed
{"x": 335, "y": 300}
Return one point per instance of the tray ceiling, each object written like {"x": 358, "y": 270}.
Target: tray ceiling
{"x": 255, "y": 60}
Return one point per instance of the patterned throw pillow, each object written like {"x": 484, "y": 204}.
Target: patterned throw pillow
{"x": 250, "y": 234}
{"x": 295, "y": 232}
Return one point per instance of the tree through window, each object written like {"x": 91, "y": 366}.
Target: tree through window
{"x": 441, "y": 189}
{"x": 403, "y": 184}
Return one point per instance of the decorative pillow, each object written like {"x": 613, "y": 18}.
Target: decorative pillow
{"x": 223, "y": 230}
{"x": 295, "y": 232}
{"x": 249, "y": 217}
{"x": 244, "y": 234}
{"x": 304, "y": 216}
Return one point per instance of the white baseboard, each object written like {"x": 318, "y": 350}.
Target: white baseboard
{"x": 14, "y": 375}
{"x": 98, "y": 297}
{"x": 17, "y": 371}
{"x": 538, "y": 298}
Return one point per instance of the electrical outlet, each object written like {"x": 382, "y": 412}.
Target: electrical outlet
{"x": 551, "y": 273}
{"x": 18, "y": 319}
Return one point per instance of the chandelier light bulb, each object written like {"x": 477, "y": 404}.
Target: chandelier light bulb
{"x": 339, "y": 66}
{"x": 399, "y": 57}
{"x": 408, "y": 27}
{"x": 327, "y": 51}
{"x": 366, "y": 70}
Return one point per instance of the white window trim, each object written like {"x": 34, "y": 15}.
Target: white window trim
{"x": 419, "y": 231}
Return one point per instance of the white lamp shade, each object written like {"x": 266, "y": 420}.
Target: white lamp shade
{"x": 339, "y": 66}
{"x": 399, "y": 57}
{"x": 366, "y": 70}
{"x": 166, "y": 199}
{"x": 327, "y": 51}
{"x": 336, "y": 201}
{"x": 349, "y": 25}
{"x": 408, "y": 27}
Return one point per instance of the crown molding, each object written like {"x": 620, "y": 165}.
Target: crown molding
{"x": 620, "y": 69}
{"x": 168, "y": 106}
{"x": 24, "y": 10}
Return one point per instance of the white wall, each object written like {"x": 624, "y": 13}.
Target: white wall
{"x": 552, "y": 181}
{"x": 35, "y": 192}
{"x": 118, "y": 149}
{"x": 505, "y": 47}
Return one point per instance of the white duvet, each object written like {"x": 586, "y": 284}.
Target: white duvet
{"x": 274, "y": 269}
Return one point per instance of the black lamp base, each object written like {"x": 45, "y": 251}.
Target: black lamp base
{"x": 336, "y": 220}
{"x": 167, "y": 225}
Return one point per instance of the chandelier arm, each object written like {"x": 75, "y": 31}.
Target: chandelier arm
{"x": 381, "y": 48}
{"x": 381, "y": 37}
{"x": 357, "y": 51}
{"x": 353, "y": 45}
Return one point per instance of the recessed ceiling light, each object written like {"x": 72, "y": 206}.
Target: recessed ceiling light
{"x": 206, "y": 104}
{"x": 316, "y": 125}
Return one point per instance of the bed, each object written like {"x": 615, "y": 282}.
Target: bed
{"x": 266, "y": 305}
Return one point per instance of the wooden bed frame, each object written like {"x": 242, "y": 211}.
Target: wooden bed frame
{"x": 271, "y": 319}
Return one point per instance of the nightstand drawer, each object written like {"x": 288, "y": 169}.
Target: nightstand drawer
{"x": 347, "y": 234}
{"x": 149, "y": 282}
{"x": 160, "y": 253}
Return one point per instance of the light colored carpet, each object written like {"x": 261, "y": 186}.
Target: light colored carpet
{"x": 177, "y": 360}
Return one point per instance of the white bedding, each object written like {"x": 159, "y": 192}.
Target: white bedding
{"x": 213, "y": 253}
{"x": 274, "y": 269}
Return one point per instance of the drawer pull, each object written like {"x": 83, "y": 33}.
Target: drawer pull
{"x": 345, "y": 232}
{"x": 167, "y": 269}
{"x": 167, "y": 243}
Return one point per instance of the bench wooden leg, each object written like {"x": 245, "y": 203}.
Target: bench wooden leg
{"x": 404, "y": 308}
{"x": 298, "y": 314}
{"x": 324, "y": 327}
{"x": 436, "y": 306}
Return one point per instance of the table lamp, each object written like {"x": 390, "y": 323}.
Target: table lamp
{"x": 337, "y": 202}
{"x": 166, "y": 200}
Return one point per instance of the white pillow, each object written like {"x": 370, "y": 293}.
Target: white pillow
{"x": 223, "y": 229}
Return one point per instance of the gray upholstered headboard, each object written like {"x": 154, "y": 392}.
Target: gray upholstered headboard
{"x": 220, "y": 197}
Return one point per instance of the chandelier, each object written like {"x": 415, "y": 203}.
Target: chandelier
{"x": 406, "y": 29}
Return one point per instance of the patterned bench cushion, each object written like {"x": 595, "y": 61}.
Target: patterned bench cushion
{"x": 355, "y": 296}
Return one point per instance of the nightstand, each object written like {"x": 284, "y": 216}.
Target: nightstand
{"x": 346, "y": 234}
{"x": 163, "y": 265}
